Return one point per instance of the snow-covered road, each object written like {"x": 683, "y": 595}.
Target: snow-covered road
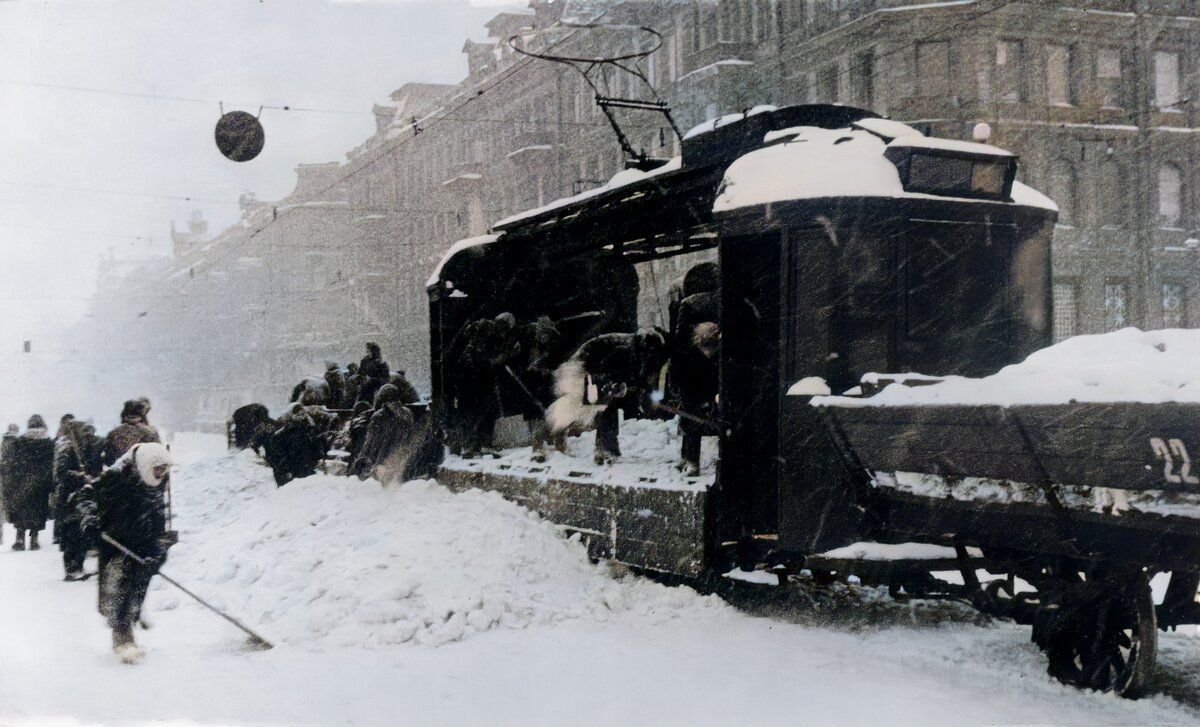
{"x": 636, "y": 653}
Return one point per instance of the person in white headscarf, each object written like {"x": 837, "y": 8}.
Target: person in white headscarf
{"x": 128, "y": 504}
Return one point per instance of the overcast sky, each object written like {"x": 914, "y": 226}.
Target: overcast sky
{"x": 79, "y": 170}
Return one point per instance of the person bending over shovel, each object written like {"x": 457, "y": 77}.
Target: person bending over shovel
{"x": 127, "y": 503}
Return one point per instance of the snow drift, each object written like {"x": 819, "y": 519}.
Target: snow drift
{"x": 1128, "y": 365}
{"x": 340, "y": 562}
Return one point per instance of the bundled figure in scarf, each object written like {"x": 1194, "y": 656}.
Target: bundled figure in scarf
{"x": 611, "y": 373}
{"x": 27, "y": 471}
{"x": 76, "y": 464}
{"x": 134, "y": 429}
{"x": 127, "y": 503}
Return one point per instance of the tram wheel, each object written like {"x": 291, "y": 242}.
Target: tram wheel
{"x": 1104, "y": 637}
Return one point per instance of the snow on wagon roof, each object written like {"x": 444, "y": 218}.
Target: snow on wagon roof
{"x": 455, "y": 249}
{"x": 820, "y": 163}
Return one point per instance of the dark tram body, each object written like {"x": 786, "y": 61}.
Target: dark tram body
{"x": 847, "y": 244}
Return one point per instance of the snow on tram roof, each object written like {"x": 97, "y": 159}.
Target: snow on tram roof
{"x": 622, "y": 178}
{"x": 822, "y": 163}
{"x": 455, "y": 249}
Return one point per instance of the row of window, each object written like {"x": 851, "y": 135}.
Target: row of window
{"x": 1172, "y": 299}
{"x": 1006, "y": 78}
{"x": 1062, "y": 185}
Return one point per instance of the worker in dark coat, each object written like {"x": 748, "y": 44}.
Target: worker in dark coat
{"x": 29, "y": 482}
{"x": 128, "y": 504}
{"x": 76, "y": 463}
{"x": 485, "y": 347}
{"x": 335, "y": 380}
{"x": 297, "y": 446}
{"x": 252, "y": 424}
{"x": 694, "y": 363}
{"x": 610, "y": 373}
{"x": 356, "y": 430}
{"x": 12, "y": 433}
{"x": 373, "y": 372}
{"x": 134, "y": 429}
{"x": 352, "y": 381}
{"x": 388, "y": 440}
{"x": 408, "y": 392}
{"x": 311, "y": 390}
{"x": 532, "y": 370}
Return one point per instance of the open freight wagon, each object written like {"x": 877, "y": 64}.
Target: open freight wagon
{"x": 847, "y": 244}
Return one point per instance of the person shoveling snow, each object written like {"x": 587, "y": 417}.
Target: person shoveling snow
{"x": 127, "y": 503}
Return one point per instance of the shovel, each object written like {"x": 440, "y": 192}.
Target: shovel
{"x": 255, "y": 641}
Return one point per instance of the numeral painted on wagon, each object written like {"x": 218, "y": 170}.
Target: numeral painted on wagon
{"x": 1169, "y": 451}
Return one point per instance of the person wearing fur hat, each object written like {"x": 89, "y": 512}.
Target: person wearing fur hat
{"x": 127, "y": 503}
{"x": 134, "y": 429}
{"x": 28, "y": 481}
{"x": 610, "y": 373}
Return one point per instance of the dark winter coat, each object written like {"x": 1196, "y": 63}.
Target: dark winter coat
{"x": 373, "y": 373}
{"x": 252, "y": 424}
{"x": 335, "y": 380}
{"x": 120, "y": 504}
{"x": 133, "y": 429}
{"x": 632, "y": 359}
{"x": 483, "y": 347}
{"x": 695, "y": 374}
{"x": 540, "y": 353}
{"x": 28, "y": 479}
{"x": 297, "y": 447}
{"x": 408, "y": 392}
{"x": 76, "y": 463}
{"x": 311, "y": 391}
{"x": 388, "y": 437}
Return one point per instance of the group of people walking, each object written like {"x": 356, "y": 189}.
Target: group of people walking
{"x": 104, "y": 494}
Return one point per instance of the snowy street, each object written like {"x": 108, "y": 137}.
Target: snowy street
{"x": 379, "y": 637}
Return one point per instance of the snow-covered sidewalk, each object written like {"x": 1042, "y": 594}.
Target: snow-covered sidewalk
{"x": 413, "y": 606}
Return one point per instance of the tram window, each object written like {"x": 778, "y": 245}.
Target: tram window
{"x": 939, "y": 174}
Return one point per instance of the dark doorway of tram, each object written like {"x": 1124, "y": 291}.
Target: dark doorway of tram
{"x": 746, "y": 494}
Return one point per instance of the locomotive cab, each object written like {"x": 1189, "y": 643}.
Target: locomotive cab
{"x": 844, "y": 252}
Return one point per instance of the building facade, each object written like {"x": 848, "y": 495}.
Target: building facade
{"x": 1095, "y": 97}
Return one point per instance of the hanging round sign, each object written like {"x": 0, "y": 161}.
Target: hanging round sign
{"x": 240, "y": 136}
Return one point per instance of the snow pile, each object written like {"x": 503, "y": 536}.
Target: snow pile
{"x": 337, "y": 561}
{"x": 1123, "y": 366}
{"x": 650, "y": 449}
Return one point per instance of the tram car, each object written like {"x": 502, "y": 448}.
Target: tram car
{"x": 847, "y": 244}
